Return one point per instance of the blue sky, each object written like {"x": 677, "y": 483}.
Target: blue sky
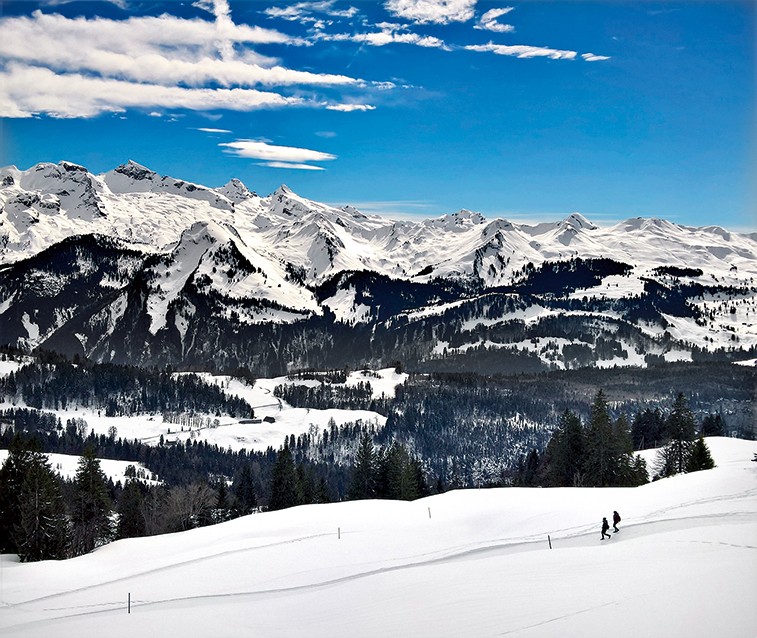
{"x": 526, "y": 110}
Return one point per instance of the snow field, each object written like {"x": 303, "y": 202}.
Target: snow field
{"x": 232, "y": 432}
{"x": 684, "y": 563}
{"x": 66, "y": 465}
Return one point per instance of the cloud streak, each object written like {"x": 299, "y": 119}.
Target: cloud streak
{"x": 28, "y": 91}
{"x": 489, "y": 21}
{"x": 145, "y": 62}
{"x": 432, "y": 11}
{"x": 290, "y": 165}
{"x": 252, "y": 149}
{"x": 523, "y": 51}
{"x": 389, "y": 33}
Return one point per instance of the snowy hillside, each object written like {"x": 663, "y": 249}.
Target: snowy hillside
{"x": 464, "y": 563}
{"x": 67, "y": 464}
{"x": 134, "y": 266}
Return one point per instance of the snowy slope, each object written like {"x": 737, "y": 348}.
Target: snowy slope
{"x": 234, "y": 433}
{"x": 465, "y": 563}
{"x": 67, "y": 464}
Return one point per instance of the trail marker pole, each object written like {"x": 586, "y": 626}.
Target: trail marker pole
{"x": 129, "y": 604}
{"x": 550, "y": 541}
{"x": 429, "y": 512}
{"x": 339, "y": 532}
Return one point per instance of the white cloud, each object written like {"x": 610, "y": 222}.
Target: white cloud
{"x": 489, "y": 21}
{"x": 299, "y": 167}
{"x": 252, "y": 149}
{"x": 590, "y": 57}
{"x": 303, "y": 12}
{"x": 26, "y": 91}
{"x": 390, "y": 33}
{"x": 168, "y": 62}
{"x": 214, "y": 130}
{"x": 135, "y": 50}
{"x": 432, "y": 11}
{"x": 348, "y": 108}
{"x": 523, "y": 51}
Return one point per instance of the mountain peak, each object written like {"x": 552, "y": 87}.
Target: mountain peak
{"x": 135, "y": 171}
{"x": 236, "y": 191}
{"x": 578, "y": 222}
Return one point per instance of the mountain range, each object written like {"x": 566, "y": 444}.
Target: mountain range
{"x": 131, "y": 266}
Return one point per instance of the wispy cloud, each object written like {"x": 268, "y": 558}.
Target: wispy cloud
{"x": 389, "y": 33}
{"x": 489, "y": 21}
{"x": 290, "y": 165}
{"x": 590, "y": 57}
{"x": 523, "y": 51}
{"x": 27, "y": 91}
{"x": 277, "y": 156}
{"x": 305, "y": 12}
{"x": 432, "y": 11}
{"x": 214, "y": 130}
{"x": 349, "y": 108}
{"x": 144, "y": 62}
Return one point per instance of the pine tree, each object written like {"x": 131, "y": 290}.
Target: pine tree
{"x": 600, "y": 445}
{"x": 131, "y": 519}
{"x": 364, "y": 472}
{"x": 647, "y": 429}
{"x": 243, "y": 489}
{"x": 12, "y": 475}
{"x": 285, "y": 488}
{"x": 681, "y": 427}
{"x": 91, "y": 510}
{"x": 564, "y": 456}
{"x": 42, "y": 530}
{"x": 700, "y": 457}
{"x": 713, "y": 425}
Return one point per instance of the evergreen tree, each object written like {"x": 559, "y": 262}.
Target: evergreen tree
{"x": 647, "y": 429}
{"x": 564, "y": 456}
{"x": 42, "y": 530}
{"x": 131, "y": 519}
{"x": 623, "y": 468}
{"x": 285, "y": 488}
{"x": 400, "y": 476}
{"x": 530, "y": 474}
{"x": 12, "y": 475}
{"x": 681, "y": 426}
{"x": 713, "y": 425}
{"x": 364, "y": 472}
{"x": 91, "y": 509}
{"x": 700, "y": 457}
{"x": 243, "y": 488}
{"x": 600, "y": 445}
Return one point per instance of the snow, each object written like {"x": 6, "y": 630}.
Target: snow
{"x": 294, "y": 244}
{"x": 66, "y": 465}
{"x": 344, "y": 305}
{"x": 238, "y": 433}
{"x": 464, "y": 563}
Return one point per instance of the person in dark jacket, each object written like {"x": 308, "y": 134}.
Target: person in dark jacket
{"x": 615, "y": 521}
{"x": 605, "y": 527}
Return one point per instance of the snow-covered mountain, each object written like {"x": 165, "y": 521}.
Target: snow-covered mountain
{"x": 168, "y": 267}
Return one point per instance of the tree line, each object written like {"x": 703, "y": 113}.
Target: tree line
{"x": 600, "y": 451}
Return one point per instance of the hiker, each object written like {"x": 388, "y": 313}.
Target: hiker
{"x": 605, "y": 527}
{"x": 615, "y": 521}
